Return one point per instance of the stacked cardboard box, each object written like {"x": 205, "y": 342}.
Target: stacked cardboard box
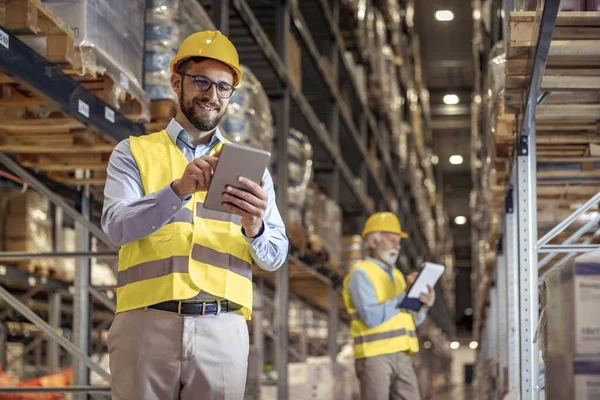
{"x": 26, "y": 226}
{"x": 572, "y": 345}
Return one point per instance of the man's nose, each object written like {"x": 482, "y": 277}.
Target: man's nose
{"x": 211, "y": 93}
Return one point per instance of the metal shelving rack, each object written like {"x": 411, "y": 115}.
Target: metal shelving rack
{"x": 512, "y": 318}
{"x": 338, "y": 128}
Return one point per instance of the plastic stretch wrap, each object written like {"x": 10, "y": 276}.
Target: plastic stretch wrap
{"x": 381, "y": 59}
{"x": 417, "y": 179}
{"x": 300, "y": 175}
{"x": 392, "y": 15}
{"x": 248, "y": 119}
{"x": 25, "y": 224}
{"x": 324, "y": 221}
{"x": 353, "y": 250}
{"x": 168, "y": 23}
{"x": 110, "y": 38}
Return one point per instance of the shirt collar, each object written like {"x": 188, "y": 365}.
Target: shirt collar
{"x": 379, "y": 262}
{"x": 175, "y": 130}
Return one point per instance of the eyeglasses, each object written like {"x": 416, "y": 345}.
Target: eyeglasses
{"x": 203, "y": 84}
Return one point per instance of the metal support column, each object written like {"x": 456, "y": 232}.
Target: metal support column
{"x": 54, "y": 321}
{"x": 527, "y": 211}
{"x": 502, "y": 323}
{"x": 3, "y": 338}
{"x": 283, "y": 126}
{"x": 512, "y": 278}
{"x": 81, "y": 298}
{"x": 220, "y": 15}
{"x": 528, "y": 288}
{"x": 333, "y": 323}
{"x": 303, "y": 332}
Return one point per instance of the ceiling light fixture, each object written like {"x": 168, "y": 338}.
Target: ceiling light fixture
{"x": 456, "y": 159}
{"x": 451, "y": 99}
{"x": 473, "y": 345}
{"x": 444, "y": 15}
{"x": 435, "y": 160}
{"x": 460, "y": 220}
{"x": 454, "y": 345}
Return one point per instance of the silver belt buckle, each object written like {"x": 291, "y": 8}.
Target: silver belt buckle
{"x": 179, "y": 308}
{"x": 218, "y": 307}
{"x": 203, "y": 308}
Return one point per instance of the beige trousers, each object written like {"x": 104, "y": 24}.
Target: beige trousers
{"x": 387, "y": 377}
{"x": 159, "y": 355}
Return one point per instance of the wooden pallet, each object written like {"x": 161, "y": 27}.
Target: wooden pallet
{"x": 29, "y": 19}
{"x": 162, "y": 111}
{"x": 42, "y": 136}
{"x": 573, "y": 61}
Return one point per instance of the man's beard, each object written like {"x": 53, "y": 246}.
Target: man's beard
{"x": 202, "y": 123}
{"x": 389, "y": 257}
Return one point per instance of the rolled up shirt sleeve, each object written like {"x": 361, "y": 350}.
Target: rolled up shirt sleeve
{"x": 128, "y": 213}
{"x": 420, "y": 316}
{"x": 269, "y": 249}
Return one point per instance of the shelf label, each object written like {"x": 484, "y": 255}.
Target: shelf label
{"x": 4, "y": 38}
{"x": 109, "y": 114}
{"x": 124, "y": 81}
{"x": 84, "y": 109}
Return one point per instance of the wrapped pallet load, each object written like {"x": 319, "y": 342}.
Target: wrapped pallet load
{"x": 168, "y": 23}
{"x": 248, "y": 119}
{"x": 300, "y": 175}
{"x": 109, "y": 40}
{"x": 26, "y": 225}
{"x": 324, "y": 220}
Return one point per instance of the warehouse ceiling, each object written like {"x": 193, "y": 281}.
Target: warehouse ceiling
{"x": 448, "y": 68}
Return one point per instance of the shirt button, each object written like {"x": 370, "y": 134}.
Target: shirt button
{"x": 174, "y": 207}
{"x": 153, "y": 226}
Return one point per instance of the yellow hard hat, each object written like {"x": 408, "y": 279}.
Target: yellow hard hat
{"x": 210, "y": 44}
{"x": 383, "y": 222}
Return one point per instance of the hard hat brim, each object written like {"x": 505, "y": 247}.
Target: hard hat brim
{"x": 402, "y": 234}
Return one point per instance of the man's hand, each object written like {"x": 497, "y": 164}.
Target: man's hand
{"x": 428, "y": 298}
{"x": 250, "y": 206}
{"x": 196, "y": 177}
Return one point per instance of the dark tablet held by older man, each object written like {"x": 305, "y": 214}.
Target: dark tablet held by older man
{"x": 235, "y": 161}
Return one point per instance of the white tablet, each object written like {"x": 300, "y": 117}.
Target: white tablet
{"x": 234, "y": 161}
{"x": 428, "y": 276}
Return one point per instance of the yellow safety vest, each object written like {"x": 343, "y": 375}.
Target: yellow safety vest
{"x": 197, "y": 250}
{"x": 398, "y": 334}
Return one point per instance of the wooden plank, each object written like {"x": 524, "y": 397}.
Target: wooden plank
{"x": 68, "y": 180}
{"x": 568, "y": 174}
{"x": 525, "y": 32}
{"x": 566, "y": 139}
{"x": 562, "y": 52}
{"x": 565, "y": 83}
{"x": 568, "y": 159}
{"x": 568, "y": 111}
{"x": 564, "y": 18}
{"x": 19, "y": 148}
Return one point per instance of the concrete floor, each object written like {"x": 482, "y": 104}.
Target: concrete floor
{"x": 456, "y": 393}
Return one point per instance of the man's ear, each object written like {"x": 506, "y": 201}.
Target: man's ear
{"x": 176, "y": 82}
{"x": 372, "y": 240}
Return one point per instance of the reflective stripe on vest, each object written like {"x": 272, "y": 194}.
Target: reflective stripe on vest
{"x": 196, "y": 250}
{"x": 397, "y": 334}
{"x": 383, "y": 335}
